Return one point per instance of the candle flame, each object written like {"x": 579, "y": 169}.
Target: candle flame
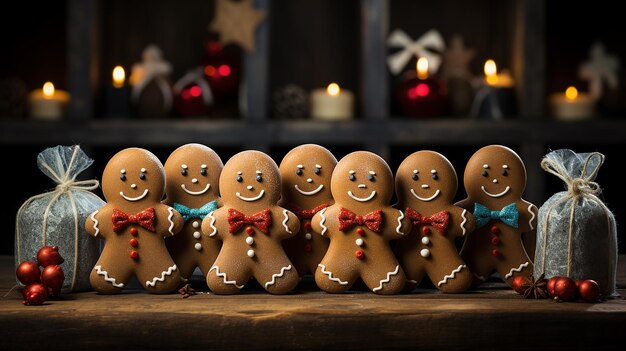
{"x": 48, "y": 89}
{"x": 491, "y": 71}
{"x": 422, "y": 68}
{"x": 333, "y": 89}
{"x": 118, "y": 76}
{"x": 571, "y": 93}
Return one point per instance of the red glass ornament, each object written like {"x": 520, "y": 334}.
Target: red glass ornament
{"x": 49, "y": 255}
{"x": 417, "y": 97}
{"x": 222, "y": 66}
{"x": 35, "y": 294}
{"x": 28, "y": 272}
{"x": 53, "y": 278}
{"x": 589, "y": 290}
{"x": 517, "y": 283}
{"x": 565, "y": 289}
{"x": 551, "y": 284}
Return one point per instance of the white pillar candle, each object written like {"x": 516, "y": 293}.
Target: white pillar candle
{"x": 572, "y": 105}
{"x": 48, "y": 103}
{"x": 332, "y": 103}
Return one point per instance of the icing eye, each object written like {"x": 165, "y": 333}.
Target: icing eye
{"x": 504, "y": 172}
{"x": 183, "y": 172}
{"x": 485, "y": 174}
{"x": 239, "y": 178}
{"x": 203, "y": 172}
{"x": 299, "y": 171}
{"x": 371, "y": 177}
{"x": 123, "y": 177}
{"x": 317, "y": 170}
{"x": 259, "y": 178}
{"x": 352, "y": 177}
{"x": 414, "y": 176}
{"x": 435, "y": 176}
{"x": 142, "y": 176}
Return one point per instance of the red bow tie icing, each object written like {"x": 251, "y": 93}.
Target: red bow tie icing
{"x": 144, "y": 218}
{"x": 261, "y": 220}
{"x": 438, "y": 220}
{"x": 348, "y": 219}
{"x": 307, "y": 214}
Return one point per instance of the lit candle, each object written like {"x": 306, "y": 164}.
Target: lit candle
{"x": 118, "y": 94}
{"x": 572, "y": 105}
{"x": 48, "y": 103}
{"x": 420, "y": 95}
{"x": 332, "y": 103}
{"x": 119, "y": 76}
{"x": 495, "y": 79}
{"x": 495, "y": 98}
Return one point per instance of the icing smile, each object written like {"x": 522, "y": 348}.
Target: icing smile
{"x": 195, "y": 193}
{"x": 309, "y": 193}
{"x": 250, "y": 199}
{"x": 145, "y": 192}
{"x": 506, "y": 190}
{"x": 426, "y": 199}
{"x": 362, "y": 199}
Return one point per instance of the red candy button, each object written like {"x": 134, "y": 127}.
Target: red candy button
{"x": 495, "y": 241}
{"x": 308, "y": 247}
{"x": 360, "y": 254}
{"x": 249, "y": 230}
{"x": 495, "y": 252}
{"x": 495, "y": 230}
{"x": 307, "y": 225}
{"x": 134, "y": 255}
{"x": 360, "y": 231}
{"x": 425, "y": 230}
{"x": 133, "y": 231}
{"x": 134, "y": 242}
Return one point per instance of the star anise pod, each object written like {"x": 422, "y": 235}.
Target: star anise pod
{"x": 187, "y": 291}
{"x": 535, "y": 289}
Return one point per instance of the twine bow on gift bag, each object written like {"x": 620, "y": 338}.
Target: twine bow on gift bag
{"x": 577, "y": 188}
{"x": 429, "y": 45}
{"x": 65, "y": 178}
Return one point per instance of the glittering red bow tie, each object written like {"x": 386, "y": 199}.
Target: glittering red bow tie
{"x": 261, "y": 220}
{"x": 306, "y": 214}
{"x": 348, "y": 219}
{"x": 438, "y": 220}
{"x": 144, "y": 218}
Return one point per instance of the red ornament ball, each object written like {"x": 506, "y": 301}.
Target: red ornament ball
{"x": 53, "y": 277}
{"x": 551, "y": 284}
{"x": 565, "y": 289}
{"x": 35, "y": 294}
{"x": 28, "y": 272}
{"x": 589, "y": 290}
{"x": 517, "y": 283}
{"x": 49, "y": 255}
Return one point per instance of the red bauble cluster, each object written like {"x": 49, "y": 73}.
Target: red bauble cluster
{"x": 40, "y": 285}
{"x": 567, "y": 289}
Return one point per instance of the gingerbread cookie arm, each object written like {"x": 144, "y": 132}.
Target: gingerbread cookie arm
{"x": 466, "y": 204}
{"x": 173, "y": 220}
{"x": 527, "y": 216}
{"x": 324, "y": 223}
{"x": 93, "y": 223}
{"x": 212, "y": 221}
{"x": 401, "y": 225}
{"x": 461, "y": 223}
{"x": 289, "y": 223}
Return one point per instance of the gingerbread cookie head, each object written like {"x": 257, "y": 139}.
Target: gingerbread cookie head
{"x": 133, "y": 176}
{"x": 426, "y": 177}
{"x": 250, "y": 180}
{"x": 363, "y": 179}
{"x": 495, "y": 173}
{"x": 193, "y": 172}
{"x": 306, "y": 172}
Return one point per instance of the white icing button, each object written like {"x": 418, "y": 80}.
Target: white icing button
{"x": 359, "y": 242}
{"x": 249, "y": 240}
{"x": 197, "y": 235}
{"x": 195, "y": 224}
{"x": 308, "y": 236}
{"x": 425, "y": 252}
{"x": 198, "y": 246}
{"x": 250, "y": 253}
{"x": 425, "y": 240}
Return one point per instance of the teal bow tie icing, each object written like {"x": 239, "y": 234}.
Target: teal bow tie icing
{"x": 201, "y": 212}
{"x": 508, "y": 215}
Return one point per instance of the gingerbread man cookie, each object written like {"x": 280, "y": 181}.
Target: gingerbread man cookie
{"x": 426, "y": 184}
{"x": 495, "y": 178}
{"x": 251, "y": 226}
{"x": 134, "y": 224}
{"x": 360, "y": 225}
{"x": 306, "y": 172}
{"x": 192, "y": 188}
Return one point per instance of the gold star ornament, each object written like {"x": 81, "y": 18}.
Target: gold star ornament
{"x": 236, "y": 22}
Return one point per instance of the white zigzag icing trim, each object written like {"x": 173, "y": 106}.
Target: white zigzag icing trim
{"x": 111, "y": 280}
{"x": 400, "y": 223}
{"x": 451, "y": 275}
{"x": 479, "y": 276}
{"x": 530, "y": 221}
{"x": 324, "y": 228}
{"x": 518, "y": 269}
{"x": 162, "y": 277}
{"x": 95, "y": 223}
{"x": 169, "y": 218}
{"x": 464, "y": 221}
{"x": 212, "y": 224}
{"x": 279, "y": 275}
{"x": 330, "y": 275}
{"x": 223, "y": 275}
{"x": 285, "y": 222}
{"x": 387, "y": 280}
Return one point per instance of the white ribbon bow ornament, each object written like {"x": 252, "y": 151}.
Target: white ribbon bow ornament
{"x": 423, "y": 47}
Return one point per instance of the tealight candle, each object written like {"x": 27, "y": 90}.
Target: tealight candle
{"x": 496, "y": 98}
{"x": 332, "y": 103}
{"x": 48, "y": 103}
{"x": 118, "y": 94}
{"x": 572, "y": 105}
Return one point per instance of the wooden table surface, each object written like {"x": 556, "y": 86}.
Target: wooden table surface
{"x": 491, "y": 318}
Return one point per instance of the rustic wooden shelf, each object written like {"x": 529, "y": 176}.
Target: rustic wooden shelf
{"x": 493, "y": 317}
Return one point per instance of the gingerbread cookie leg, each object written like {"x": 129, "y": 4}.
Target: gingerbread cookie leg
{"x": 413, "y": 269}
{"x": 456, "y": 279}
{"x": 480, "y": 265}
{"x": 385, "y": 280}
{"x": 335, "y": 276}
{"x": 509, "y": 270}
{"x": 163, "y": 278}
{"x": 278, "y": 278}
{"x": 226, "y": 277}
{"x": 109, "y": 279}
